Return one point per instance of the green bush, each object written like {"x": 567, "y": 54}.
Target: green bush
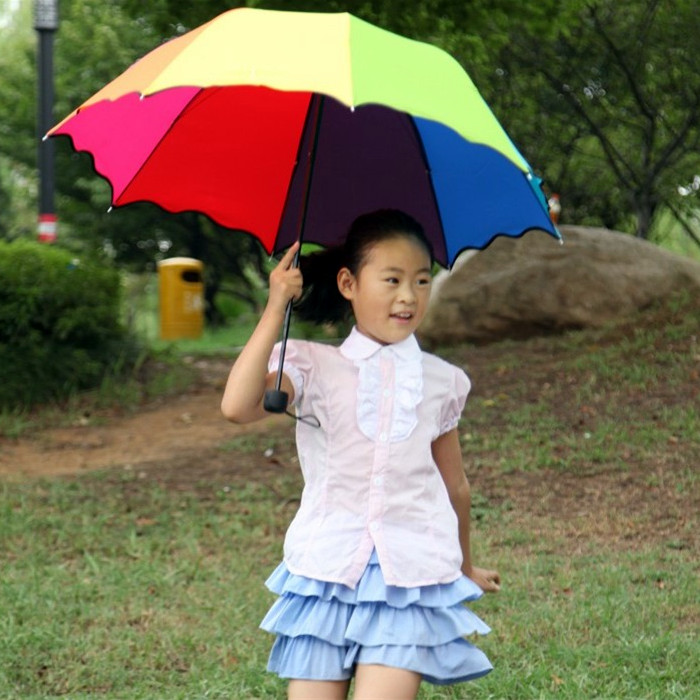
{"x": 60, "y": 328}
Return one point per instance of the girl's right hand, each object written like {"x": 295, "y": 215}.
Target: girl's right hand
{"x": 285, "y": 281}
{"x": 489, "y": 581}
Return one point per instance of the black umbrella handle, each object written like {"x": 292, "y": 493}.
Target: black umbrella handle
{"x": 276, "y": 400}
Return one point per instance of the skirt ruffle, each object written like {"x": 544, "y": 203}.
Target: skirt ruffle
{"x": 324, "y": 629}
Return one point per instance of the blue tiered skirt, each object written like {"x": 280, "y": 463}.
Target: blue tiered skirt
{"x": 324, "y": 629}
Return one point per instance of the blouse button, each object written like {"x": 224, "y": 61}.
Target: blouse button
{"x": 378, "y": 480}
{"x": 374, "y": 526}
{"x": 383, "y": 437}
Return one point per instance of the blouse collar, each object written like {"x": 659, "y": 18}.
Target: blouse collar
{"x": 358, "y": 346}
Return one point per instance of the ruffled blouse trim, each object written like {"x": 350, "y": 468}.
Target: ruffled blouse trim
{"x": 408, "y": 393}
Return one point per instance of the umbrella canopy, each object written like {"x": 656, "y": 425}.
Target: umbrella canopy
{"x": 275, "y": 122}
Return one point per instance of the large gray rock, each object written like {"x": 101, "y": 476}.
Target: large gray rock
{"x": 533, "y": 285}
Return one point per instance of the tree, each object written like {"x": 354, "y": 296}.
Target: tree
{"x": 617, "y": 85}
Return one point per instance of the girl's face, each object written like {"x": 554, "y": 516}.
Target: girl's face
{"x": 389, "y": 295}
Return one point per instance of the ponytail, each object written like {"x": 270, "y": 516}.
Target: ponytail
{"x": 321, "y": 301}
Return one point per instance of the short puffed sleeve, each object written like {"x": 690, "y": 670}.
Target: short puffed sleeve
{"x": 454, "y": 400}
{"x": 297, "y": 365}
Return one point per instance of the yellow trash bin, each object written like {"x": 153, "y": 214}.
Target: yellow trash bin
{"x": 181, "y": 296}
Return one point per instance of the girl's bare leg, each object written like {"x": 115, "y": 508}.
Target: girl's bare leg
{"x": 373, "y": 682}
{"x": 318, "y": 690}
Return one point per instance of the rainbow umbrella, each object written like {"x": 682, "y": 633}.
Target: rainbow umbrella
{"x": 290, "y": 124}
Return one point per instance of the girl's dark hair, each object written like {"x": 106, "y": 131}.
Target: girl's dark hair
{"x": 321, "y": 301}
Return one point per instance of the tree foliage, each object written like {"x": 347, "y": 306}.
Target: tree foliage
{"x": 617, "y": 86}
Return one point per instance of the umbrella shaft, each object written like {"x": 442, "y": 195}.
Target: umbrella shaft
{"x": 285, "y": 334}
{"x": 272, "y": 404}
{"x": 317, "y": 109}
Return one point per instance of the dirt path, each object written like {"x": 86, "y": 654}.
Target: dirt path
{"x": 186, "y": 425}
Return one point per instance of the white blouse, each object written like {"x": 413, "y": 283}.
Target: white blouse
{"x": 370, "y": 478}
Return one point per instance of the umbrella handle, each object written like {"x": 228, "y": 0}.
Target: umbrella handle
{"x": 276, "y": 400}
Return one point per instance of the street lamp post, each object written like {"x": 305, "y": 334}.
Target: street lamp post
{"x": 46, "y": 24}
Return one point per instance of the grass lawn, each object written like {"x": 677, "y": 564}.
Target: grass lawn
{"x": 583, "y": 453}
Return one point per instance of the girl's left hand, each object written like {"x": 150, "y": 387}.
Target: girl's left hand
{"x": 489, "y": 581}
{"x": 286, "y": 282}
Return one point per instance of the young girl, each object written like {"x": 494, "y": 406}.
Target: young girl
{"x": 377, "y": 561}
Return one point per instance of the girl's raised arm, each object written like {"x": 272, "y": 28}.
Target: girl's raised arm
{"x": 248, "y": 380}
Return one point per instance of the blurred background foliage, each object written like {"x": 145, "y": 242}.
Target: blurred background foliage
{"x": 60, "y": 324}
